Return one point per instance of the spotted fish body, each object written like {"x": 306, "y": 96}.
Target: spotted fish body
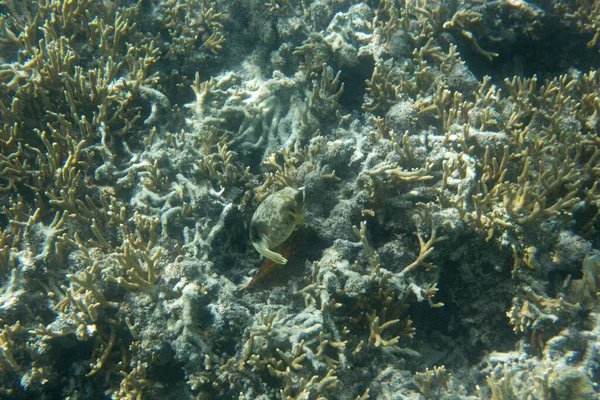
{"x": 274, "y": 221}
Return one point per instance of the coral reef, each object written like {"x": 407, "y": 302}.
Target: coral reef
{"x": 448, "y": 245}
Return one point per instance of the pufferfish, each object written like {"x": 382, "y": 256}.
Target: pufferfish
{"x": 274, "y": 221}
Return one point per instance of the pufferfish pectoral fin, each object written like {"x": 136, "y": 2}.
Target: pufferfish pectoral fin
{"x": 296, "y": 218}
{"x": 262, "y": 248}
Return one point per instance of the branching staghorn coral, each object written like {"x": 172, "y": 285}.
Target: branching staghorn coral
{"x": 219, "y": 167}
{"x": 8, "y": 361}
{"x": 194, "y": 24}
{"x": 375, "y": 338}
{"x": 84, "y": 306}
{"x": 140, "y": 269}
{"x": 419, "y": 19}
{"x": 425, "y": 250}
{"x": 460, "y": 20}
{"x": 449, "y": 105}
{"x": 547, "y": 379}
{"x": 322, "y": 100}
{"x": 71, "y": 172}
{"x": 82, "y": 112}
{"x": 535, "y": 170}
{"x": 290, "y": 167}
{"x": 431, "y": 381}
{"x": 316, "y": 52}
{"x": 278, "y": 6}
{"x": 295, "y": 368}
{"x": 60, "y": 118}
{"x": 538, "y": 315}
{"x": 383, "y": 90}
{"x": 135, "y": 383}
{"x": 586, "y": 15}
{"x": 382, "y": 309}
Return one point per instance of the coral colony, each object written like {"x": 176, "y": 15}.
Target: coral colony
{"x": 427, "y": 169}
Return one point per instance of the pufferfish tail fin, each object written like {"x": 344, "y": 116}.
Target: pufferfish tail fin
{"x": 262, "y": 248}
